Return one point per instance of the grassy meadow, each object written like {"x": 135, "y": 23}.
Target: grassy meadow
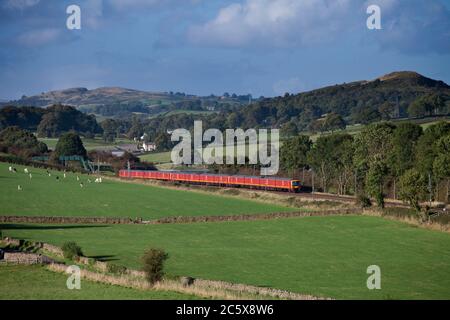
{"x": 45, "y": 196}
{"x": 37, "y": 283}
{"x": 325, "y": 256}
{"x": 89, "y": 144}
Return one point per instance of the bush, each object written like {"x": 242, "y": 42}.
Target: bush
{"x": 363, "y": 201}
{"x": 71, "y": 250}
{"x": 114, "y": 268}
{"x": 153, "y": 261}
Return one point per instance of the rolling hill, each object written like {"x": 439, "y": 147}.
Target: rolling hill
{"x": 386, "y": 97}
{"x": 119, "y": 102}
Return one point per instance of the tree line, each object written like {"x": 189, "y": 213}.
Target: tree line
{"x": 51, "y": 121}
{"x": 403, "y": 159}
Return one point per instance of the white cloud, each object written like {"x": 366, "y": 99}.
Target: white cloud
{"x": 275, "y": 22}
{"x": 20, "y": 4}
{"x": 145, "y": 4}
{"x": 413, "y": 26}
{"x": 36, "y": 38}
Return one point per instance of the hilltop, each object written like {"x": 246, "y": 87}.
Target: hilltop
{"x": 120, "y": 102}
{"x": 385, "y": 97}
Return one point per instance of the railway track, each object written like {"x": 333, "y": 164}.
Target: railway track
{"x": 338, "y": 198}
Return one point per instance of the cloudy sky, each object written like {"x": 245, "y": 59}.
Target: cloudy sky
{"x": 262, "y": 47}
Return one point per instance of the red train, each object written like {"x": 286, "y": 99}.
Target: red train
{"x": 266, "y": 183}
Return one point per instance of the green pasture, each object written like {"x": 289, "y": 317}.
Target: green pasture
{"x": 38, "y": 283}
{"x": 46, "y": 196}
{"x": 324, "y": 256}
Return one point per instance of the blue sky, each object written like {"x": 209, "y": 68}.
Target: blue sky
{"x": 262, "y": 47}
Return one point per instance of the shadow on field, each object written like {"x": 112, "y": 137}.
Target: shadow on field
{"x": 46, "y": 227}
{"x": 104, "y": 258}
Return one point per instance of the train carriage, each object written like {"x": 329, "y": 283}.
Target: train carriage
{"x": 265, "y": 183}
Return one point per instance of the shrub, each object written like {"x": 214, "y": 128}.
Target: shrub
{"x": 71, "y": 250}
{"x": 153, "y": 261}
{"x": 114, "y": 268}
{"x": 364, "y": 201}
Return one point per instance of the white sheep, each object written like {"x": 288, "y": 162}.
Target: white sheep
{"x": 64, "y": 175}
{"x": 10, "y": 169}
{"x": 19, "y": 187}
{"x": 31, "y": 177}
{"x": 25, "y": 170}
{"x": 78, "y": 178}
{"x": 81, "y": 185}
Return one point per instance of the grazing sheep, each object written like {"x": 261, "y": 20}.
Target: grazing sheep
{"x": 14, "y": 170}
{"x": 31, "y": 177}
{"x": 25, "y": 170}
{"x": 64, "y": 175}
{"x": 78, "y": 178}
{"x": 100, "y": 180}
{"x": 19, "y": 187}
{"x": 96, "y": 180}
{"x": 81, "y": 185}
{"x": 10, "y": 169}
{"x": 89, "y": 180}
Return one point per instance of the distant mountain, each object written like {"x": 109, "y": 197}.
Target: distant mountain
{"x": 81, "y": 96}
{"x": 122, "y": 102}
{"x": 386, "y": 97}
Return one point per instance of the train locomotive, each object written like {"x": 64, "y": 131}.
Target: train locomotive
{"x": 222, "y": 180}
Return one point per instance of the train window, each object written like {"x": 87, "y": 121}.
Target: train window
{"x": 295, "y": 183}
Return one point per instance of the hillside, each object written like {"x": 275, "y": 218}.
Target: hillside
{"x": 386, "y": 97}
{"x": 82, "y": 96}
{"x": 120, "y": 102}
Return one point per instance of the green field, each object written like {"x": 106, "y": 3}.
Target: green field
{"x": 156, "y": 157}
{"x": 45, "y": 196}
{"x": 89, "y": 144}
{"x": 165, "y": 157}
{"x": 325, "y": 256}
{"x": 35, "y": 282}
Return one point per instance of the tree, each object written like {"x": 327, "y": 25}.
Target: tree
{"x": 109, "y": 127}
{"x": 426, "y": 146}
{"x": 60, "y": 119}
{"x": 70, "y": 144}
{"x": 21, "y": 142}
{"x": 404, "y": 142}
{"x": 136, "y": 129}
{"x": 289, "y": 129}
{"x": 386, "y": 110}
{"x": 366, "y": 116}
{"x": 294, "y": 153}
{"x": 427, "y": 105}
{"x": 441, "y": 164}
{"x": 372, "y": 151}
{"x": 326, "y": 157}
{"x": 334, "y": 121}
{"x": 153, "y": 261}
{"x": 413, "y": 188}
